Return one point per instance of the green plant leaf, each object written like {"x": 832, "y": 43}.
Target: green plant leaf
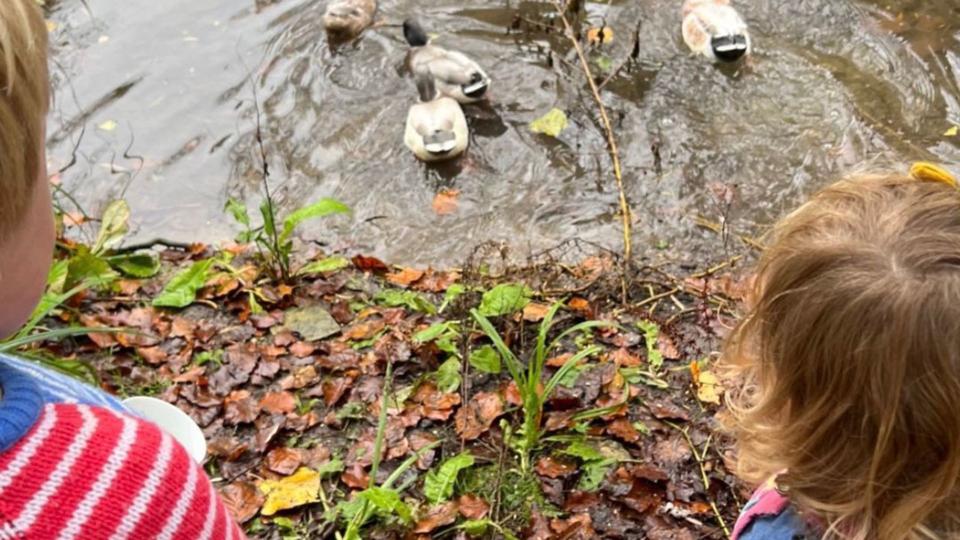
{"x": 136, "y": 265}
{"x": 113, "y": 226}
{"x": 324, "y": 207}
{"x": 410, "y": 299}
{"x": 486, "y": 359}
{"x": 505, "y": 299}
{"x": 181, "y": 291}
{"x": 475, "y": 527}
{"x": 331, "y": 467}
{"x": 651, "y": 335}
{"x": 438, "y": 486}
{"x": 239, "y": 211}
{"x": 330, "y": 264}
{"x": 592, "y": 473}
{"x": 453, "y": 292}
{"x": 552, "y": 123}
{"x": 90, "y": 269}
{"x": 582, "y": 450}
{"x": 448, "y": 376}
{"x": 387, "y": 502}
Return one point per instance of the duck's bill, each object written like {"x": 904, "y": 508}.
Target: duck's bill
{"x": 475, "y": 90}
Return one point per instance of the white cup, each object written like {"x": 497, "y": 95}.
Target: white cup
{"x": 172, "y": 420}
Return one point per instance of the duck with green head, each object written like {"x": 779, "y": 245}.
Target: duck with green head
{"x": 454, "y": 74}
{"x": 436, "y": 127}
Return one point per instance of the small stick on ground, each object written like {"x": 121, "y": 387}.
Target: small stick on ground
{"x": 625, "y": 212}
{"x": 704, "y": 478}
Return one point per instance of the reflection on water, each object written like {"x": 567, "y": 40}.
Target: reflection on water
{"x": 154, "y": 102}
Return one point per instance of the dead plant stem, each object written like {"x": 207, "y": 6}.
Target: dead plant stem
{"x": 626, "y": 215}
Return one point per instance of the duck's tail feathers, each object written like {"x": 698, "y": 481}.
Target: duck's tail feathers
{"x": 414, "y": 33}
{"x": 730, "y": 48}
{"x": 440, "y": 143}
{"x": 475, "y": 89}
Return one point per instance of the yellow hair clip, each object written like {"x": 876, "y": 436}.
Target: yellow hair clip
{"x": 928, "y": 172}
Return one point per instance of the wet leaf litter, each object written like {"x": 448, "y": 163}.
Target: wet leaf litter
{"x": 291, "y": 399}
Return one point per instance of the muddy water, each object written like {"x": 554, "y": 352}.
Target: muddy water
{"x": 154, "y": 103}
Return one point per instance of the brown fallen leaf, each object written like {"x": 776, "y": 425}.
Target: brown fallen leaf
{"x": 282, "y": 402}
{"x": 476, "y": 417}
{"x": 600, "y": 36}
{"x": 622, "y": 429}
{"x": 438, "y": 516}
{"x": 284, "y": 460}
{"x": 445, "y": 202}
{"x": 535, "y": 312}
{"x": 356, "y": 477}
{"x": 555, "y": 468}
{"x": 302, "y": 349}
{"x": 581, "y": 306}
{"x": 365, "y": 330}
{"x": 437, "y": 282}
{"x": 369, "y": 264}
{"x": 472, "y": 506}
{"x": 405, "y": 277}
{"x": 242, "y": 499}
{"x": 239, "y": 407}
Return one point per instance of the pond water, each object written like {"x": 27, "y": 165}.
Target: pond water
{"x": 154, "y": 103}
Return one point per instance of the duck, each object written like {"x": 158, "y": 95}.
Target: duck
{"x": 454, "y": 74}
{"x": 436, "y": 126}
{"x": 713, "y": 28}
{"x": 347, "y": 19}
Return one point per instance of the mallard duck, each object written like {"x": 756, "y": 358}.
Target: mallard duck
{"x": 714, "y": 29}
{"x": 346, "y": 19}
{"x": 436, "y": 127}
{"x": 454, "y": 74}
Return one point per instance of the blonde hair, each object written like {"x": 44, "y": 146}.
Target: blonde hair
{"x": 848, "y": 362}
{"x": 24, "y": 98}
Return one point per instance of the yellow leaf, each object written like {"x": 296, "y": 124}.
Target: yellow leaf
{"x": 708, "y": 388}
{"x": 108, "y": 125}
{"x": 51, "y": 25}
{"x": 952, "y": 132}
{"x": 298, "y": 489}
{"x": 600, "y": 36}
{"x": 550, "y": 124}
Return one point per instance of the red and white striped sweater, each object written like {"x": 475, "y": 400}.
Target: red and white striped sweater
{"x": 89, "y": 473}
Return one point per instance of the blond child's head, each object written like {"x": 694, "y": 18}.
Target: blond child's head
{"x": 849, "y": 361}
{"x": 26, "y": 223}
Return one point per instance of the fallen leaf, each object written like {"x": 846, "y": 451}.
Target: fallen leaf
{"x": 239, "y": 407}
{"x": 107, "y": 125}
{"x": 242, "y": 499}
{"x": 708, "y": 386}
{"x": 622, "y": 429}
{"x": 599, "y": 36}
{"x": 472, "y": 506}
{"x": 475, "y": 418}
{"x": 282, "y": 402}
{"x": 313, "y": 323}
{"x": 369, "y": 264}
{"x": 535, "y": 312}
{"x": 552, "y": 123}
{"x": 555, "y": 468}
{"x": 952, "y": 132}
{"x": 438, "y": 516}
{"x": 296, "y": 490}
{"x": 283, "y": 460}
{"x": 445, "y": 202}
{"x": 405, "y": 277}
{"x": 356, "y": 477}
{"x": 365, "y": 330}
{"x": 582, "y": 306}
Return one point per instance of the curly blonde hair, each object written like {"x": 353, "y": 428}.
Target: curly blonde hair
{"x": 847, "y": 366}
{"x": 24, "y": 98}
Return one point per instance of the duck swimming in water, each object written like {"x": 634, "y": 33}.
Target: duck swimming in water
{"x": 714, "y": 29}
{"x": 436, "y": 127}
{"x": 454, "y": 74}
{"x": 346, "y": 19}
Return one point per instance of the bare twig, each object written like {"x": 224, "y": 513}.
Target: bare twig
{"x": 625, "y": 212}
{"x": 703, "y": 476}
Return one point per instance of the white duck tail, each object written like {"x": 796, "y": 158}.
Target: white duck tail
{"x": 436, "y": 127}
{"x": 716, "y": 30}
{"x": 454, "y": 74}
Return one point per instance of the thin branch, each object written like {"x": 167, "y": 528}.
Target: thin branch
{"x": 625, "y": 212}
